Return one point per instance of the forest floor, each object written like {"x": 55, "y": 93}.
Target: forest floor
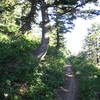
{"x": 69, "y": 91}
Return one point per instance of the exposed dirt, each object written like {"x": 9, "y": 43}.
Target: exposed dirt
{"x": 69, "y": 90}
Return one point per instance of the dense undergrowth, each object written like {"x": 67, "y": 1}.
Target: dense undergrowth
{"x": 89, "y": 78}
{"x": 22, "y": 76}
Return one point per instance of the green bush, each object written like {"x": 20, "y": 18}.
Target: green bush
{"x": 88, "y": 76}
{"x": 17, "y": 65}
{"x": 22, "y": 76}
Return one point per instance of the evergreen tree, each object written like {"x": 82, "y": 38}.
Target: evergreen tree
{"x": 92, "y": 43}
{"x": 17, "y": 15}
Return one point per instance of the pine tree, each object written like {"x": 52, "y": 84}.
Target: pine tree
{"x": 92, "y": 43}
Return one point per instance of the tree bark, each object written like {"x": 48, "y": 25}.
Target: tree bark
{"x": 57, "y": 30}
{"x": 41, "y": 51}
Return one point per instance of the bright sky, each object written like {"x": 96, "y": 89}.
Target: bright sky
{"x": 76, "y": 37}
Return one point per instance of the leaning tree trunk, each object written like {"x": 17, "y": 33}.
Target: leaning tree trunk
{"x": 41, "y": 51}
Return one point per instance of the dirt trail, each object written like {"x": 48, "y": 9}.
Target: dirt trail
{"x": 69, "y": 89}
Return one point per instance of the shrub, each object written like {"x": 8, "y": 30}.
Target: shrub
{"x": 88, "y": 76}
{"x": 22, "y": 76}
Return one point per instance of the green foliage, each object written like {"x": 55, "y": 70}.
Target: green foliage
{"x": 92, "y": 44}
{"x": 16, "y": 63}
{"x": 22, "y": 76}
{"x": 8, "y": 16}
{"x": 89, "y": 78}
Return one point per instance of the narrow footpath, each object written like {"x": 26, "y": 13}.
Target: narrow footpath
{"x": 69, "y": 90}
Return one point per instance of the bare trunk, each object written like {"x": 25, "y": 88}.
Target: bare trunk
{"x": 41, "y": 51}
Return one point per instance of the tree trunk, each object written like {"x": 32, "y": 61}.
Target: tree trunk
{"x": 58, "y": 40}
{"x": 57, "y": 30}
{"x": 41, "y": 51}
